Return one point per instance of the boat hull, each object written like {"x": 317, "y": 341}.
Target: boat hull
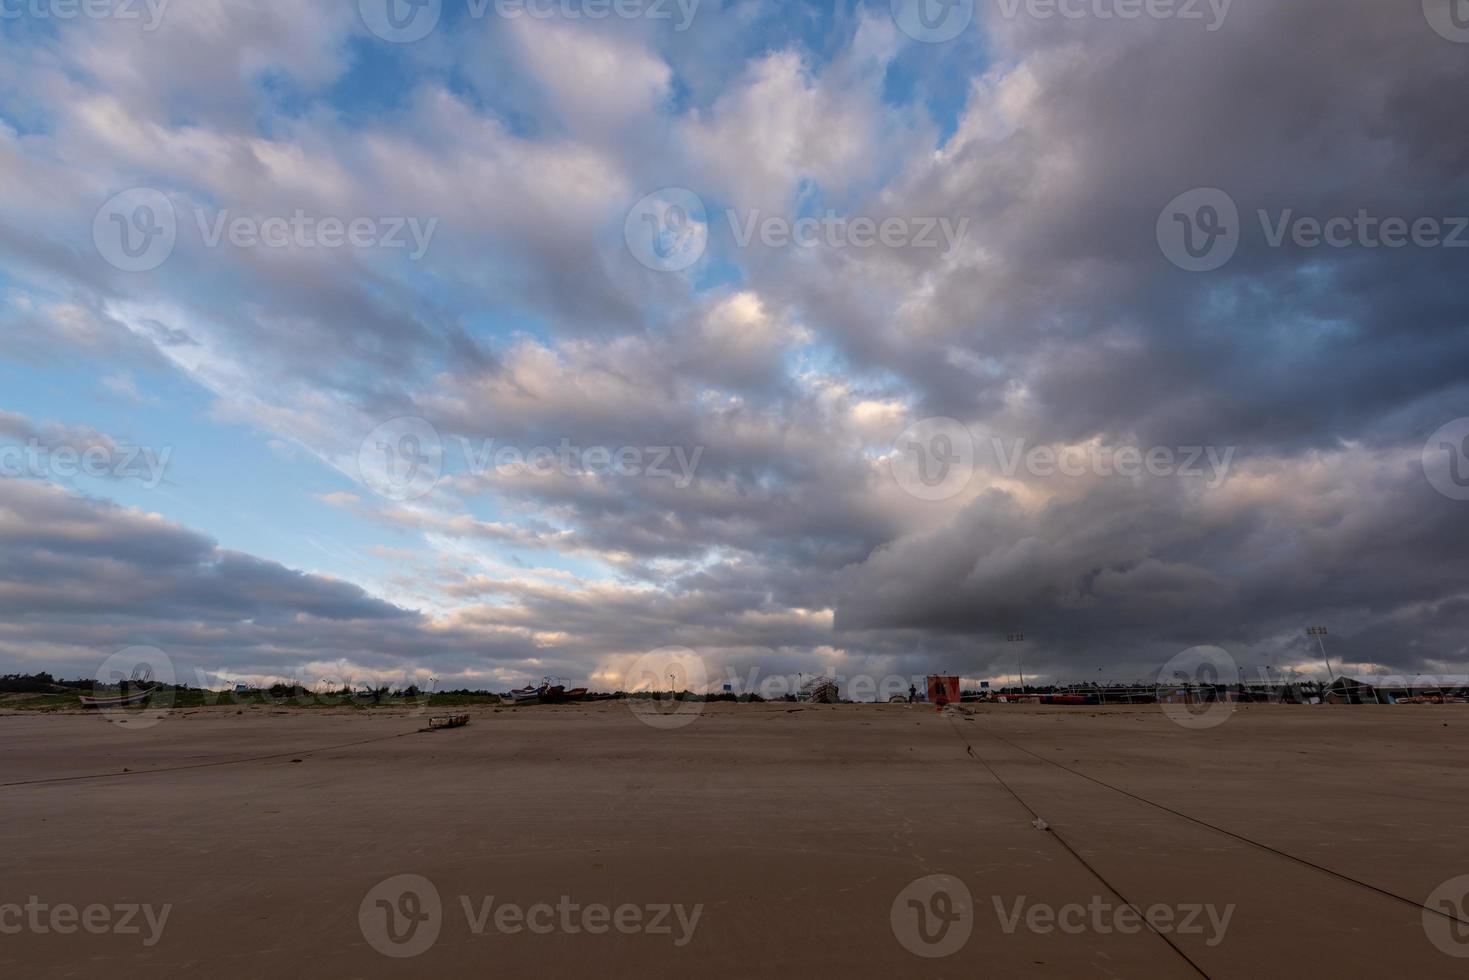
{"x": 122, "y": 701}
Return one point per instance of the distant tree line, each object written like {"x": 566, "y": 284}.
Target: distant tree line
{"x": 42, "y": 683}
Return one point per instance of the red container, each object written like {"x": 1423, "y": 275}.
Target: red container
{"x": 943, "y": 690}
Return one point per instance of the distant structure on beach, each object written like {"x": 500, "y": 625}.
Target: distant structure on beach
{"x": 820, "y": 690}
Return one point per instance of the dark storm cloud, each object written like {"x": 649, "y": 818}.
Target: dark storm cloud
{"x": 80, "y": 579}
{"x": 1364, "y": 543}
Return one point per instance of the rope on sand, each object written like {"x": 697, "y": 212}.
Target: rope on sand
{"x": 1040, "y": 823}
{"x": 1226, "y": 832}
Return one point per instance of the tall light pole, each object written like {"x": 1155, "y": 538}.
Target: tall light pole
{"x": 1319, "y": 632}
{"x": 1019, "y": 665}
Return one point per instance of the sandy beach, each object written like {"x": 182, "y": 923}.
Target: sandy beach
{"x": 754, "y": 840}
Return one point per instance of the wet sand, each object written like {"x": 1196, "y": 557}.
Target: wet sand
{"x": 793, "y": 830}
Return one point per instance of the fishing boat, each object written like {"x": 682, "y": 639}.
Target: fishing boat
{"x": 119, "y": 701}
{"x": 820, "y": 690}
{"x": 526, "y": 695}
{"x": 558, "y": 694}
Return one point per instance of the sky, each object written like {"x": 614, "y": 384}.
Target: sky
{"x": 486, "y": 341}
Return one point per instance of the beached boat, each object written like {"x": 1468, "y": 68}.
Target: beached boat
{"x": 557, "y": 694}
{"x": 820, "y": 690}
{"x": 448, "y": 721}
{"x": 119, "y": 701}
{"x": 526, "y": 695}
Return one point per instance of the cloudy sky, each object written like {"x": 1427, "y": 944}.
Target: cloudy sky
{"x": 482, "y": 342}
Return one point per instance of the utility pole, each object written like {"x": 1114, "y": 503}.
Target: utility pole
{"x": 1019, "y": 664}
{"x": 1319, "y": 632}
